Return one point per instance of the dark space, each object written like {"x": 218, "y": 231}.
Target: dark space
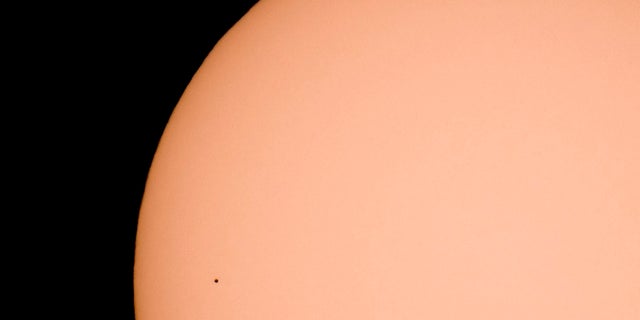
{"x": 112, "y": 78}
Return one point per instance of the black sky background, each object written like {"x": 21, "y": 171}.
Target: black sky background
{"x": 97, "y": 89}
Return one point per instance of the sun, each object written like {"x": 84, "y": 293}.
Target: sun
{"x": 402, "y": 160}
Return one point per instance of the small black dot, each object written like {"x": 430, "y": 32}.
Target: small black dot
{"x": 216, "y": 280}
